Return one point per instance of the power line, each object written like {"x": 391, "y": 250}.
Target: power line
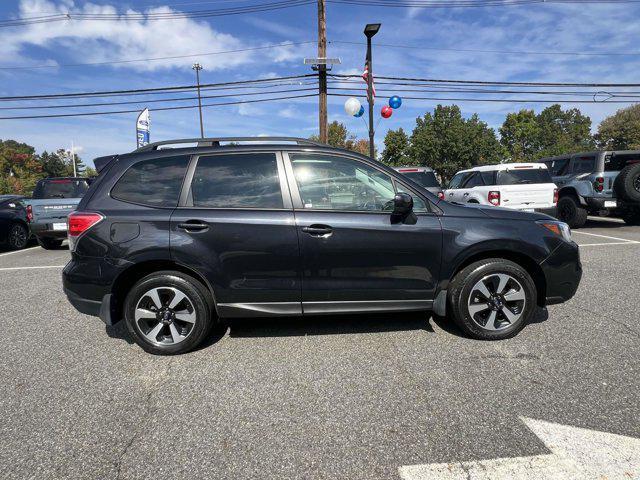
{"x": 153, "y": 59}
{"x": 116, "y": 112}
{"x": 150, "y": 90}
{"x": 500, "y": 100}
{"x": 468, "y": 3}
{"x": 502, "y": 52}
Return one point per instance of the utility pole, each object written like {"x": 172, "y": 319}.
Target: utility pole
{"x": 73, "y": 160}
{"x": 370, "y": 30}
{"x": 197, "y": 67}
{"x": 322, "y": 70}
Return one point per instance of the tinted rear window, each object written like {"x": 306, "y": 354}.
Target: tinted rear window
{"x": 515, "y": 177}
{"x": 426, "y": 179}
{"x": 60, "y": 188}
{"x": 237, "y": 181}
{"x": 615, "y": 163}
{"x": 154, "y": 182}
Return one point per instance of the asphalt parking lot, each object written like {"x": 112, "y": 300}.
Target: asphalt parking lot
{"x": 373, "y": 397}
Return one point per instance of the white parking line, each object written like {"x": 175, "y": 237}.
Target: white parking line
{"x": 7, "y": 269}
{"x": 18, "y": 251}
{"x": 606, "y": 236}
{"x": 607, "y": 243}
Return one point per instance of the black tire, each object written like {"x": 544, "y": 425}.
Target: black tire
{"x": 49, "y": 243}
{"x": 631, "y": 217}
{"x": 198, "y": 300}
{"x": 18, "y": 236}
{"x": 627, "y": 183}
{"x": 463, "y": 295}
{"x": 570, "y": 211}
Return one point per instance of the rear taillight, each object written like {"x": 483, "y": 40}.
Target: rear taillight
{"x": 598, "y": 185}
{"x": 441, "y": 195}
{"x": 29, "y": 213}
{"x": 555, "y": 196}
{"x": 78, "y": 223}
{"x": 494, "y": 198}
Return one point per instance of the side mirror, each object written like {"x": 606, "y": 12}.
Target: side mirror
{"x": 402, "y": 204}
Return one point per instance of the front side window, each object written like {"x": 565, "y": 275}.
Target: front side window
{"x": 488, "y": 178}
{"x": 457, "y": 179}
{"x": 156, "y": 182}
{"x": 243, "y": 180}
{"x": 336, "y": 183}
{"x": 474, "y": 181}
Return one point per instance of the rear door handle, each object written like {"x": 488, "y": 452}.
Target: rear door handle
{"x": 465, "y": 195}
{"x": 193, "y": 226}
{"x": 318, "y": 230}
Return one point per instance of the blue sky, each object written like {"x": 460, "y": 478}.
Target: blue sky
{"x": 538, "y": 27}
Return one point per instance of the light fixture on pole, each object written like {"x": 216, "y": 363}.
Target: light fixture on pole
{"x": 197, "y": 67}
{"x": 370, "y": 30}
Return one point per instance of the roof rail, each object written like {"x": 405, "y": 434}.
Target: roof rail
{"x": 215, "y": 142}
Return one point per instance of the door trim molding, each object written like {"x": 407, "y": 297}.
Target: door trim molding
{"x": 266, "y": 309}
{"x": 321, "y": 308}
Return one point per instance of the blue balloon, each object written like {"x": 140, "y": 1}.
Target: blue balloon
{"x": 395, "y": 102}
{"x": 360, "y": 113}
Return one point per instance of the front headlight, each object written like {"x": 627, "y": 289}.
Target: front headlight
{"x": 559, "y": 228}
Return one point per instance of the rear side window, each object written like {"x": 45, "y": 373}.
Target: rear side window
{"x": 474, "y": 181}
{"x": 489, "y": 178}
{"x": 425, "y": 179}
{"x": 517, "y": 177}
{"x": 154, "y": 182}
{"x": 583, "y": 164}
{"x": 60, "y": 188}
{"x": 237, "y": 181}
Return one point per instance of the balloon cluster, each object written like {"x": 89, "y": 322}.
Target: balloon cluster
{"x": 354, "y": 108}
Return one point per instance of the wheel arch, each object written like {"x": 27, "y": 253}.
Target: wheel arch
{"x": 127, "y": 278}
{"x": 525, "y": 261}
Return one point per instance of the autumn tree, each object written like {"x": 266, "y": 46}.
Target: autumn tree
{"x": 620, "y": 131}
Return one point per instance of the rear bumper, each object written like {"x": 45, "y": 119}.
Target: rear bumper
{"x": 45, "y": 230}
{"x": 563, "y": 272}
{"x": 551, "y": 211}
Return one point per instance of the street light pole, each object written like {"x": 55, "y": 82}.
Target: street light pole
{"x": 370, "y": 30}
{"x": 197, "y": 67}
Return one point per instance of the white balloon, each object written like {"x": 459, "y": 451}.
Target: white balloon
{"x": 352, "y": 106}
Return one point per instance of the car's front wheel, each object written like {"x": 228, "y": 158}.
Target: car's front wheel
{"x": 492, "y": 299}
{"x": 168, "y": 313}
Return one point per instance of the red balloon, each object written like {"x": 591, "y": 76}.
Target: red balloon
{"x": 386, "y": 111}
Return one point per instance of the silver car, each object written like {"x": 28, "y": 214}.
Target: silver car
{"x": 423, "y": 176}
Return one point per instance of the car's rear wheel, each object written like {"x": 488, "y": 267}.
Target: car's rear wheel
{"x": 18, "y": 236}
{"x": 49, "y": 243}
{"x": 627, "y": 183}
{"x": 570, "y": 212}
{"x": 168, "y": 313}
{"x": 492, "y": 299}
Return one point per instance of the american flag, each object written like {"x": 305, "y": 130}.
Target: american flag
{"x": 365, "y": 77}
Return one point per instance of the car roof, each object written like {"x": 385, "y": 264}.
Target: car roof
{"x": 504, "y": 166}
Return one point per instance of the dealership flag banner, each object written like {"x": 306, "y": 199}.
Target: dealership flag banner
{"x": 142, "y": 128}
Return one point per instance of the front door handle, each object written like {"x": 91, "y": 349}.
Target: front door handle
{"x": 318, "y": 230}
{"x": 193, "y": 226}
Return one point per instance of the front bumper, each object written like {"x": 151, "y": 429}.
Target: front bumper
{"x": 563, "y": 272}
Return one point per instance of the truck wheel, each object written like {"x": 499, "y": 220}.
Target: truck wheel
{"x": 168, "y": 313}
{"x": 18, "y": 236}
{"x": 627, "y": 183}
{"x": 492, "y": 299}
{"x": 49, "y": 243}
{"x": 570, "y": 212}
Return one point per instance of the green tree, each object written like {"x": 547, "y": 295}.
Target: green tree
{"x": 396, "y": 148}
{"x": 338, "y": 136}
{"x": 447, "y": 142}
{"x": 527, "y": 136}
{"x": 53, "y": 165}
{"x": 620, "y": 131}
{"x": 19, "y": 168}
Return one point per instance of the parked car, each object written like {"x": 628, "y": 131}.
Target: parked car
{"x": 597, "y": 183}
{"x": 423, "y": 176}
{"x": 520, "y": 186}
{"x": 53, "y": 199}
{"x": 14, "y": 229}
{"x": 172, "y": 240}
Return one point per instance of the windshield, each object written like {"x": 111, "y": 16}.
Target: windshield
{"x": 425, "y": 179}
{"x": 515, "y": 177}
{"x": 60, "y": 188}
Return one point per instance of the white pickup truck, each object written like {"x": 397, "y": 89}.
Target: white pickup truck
{"x": 520, "y": 186}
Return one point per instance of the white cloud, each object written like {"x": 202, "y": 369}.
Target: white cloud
{"x": 124, "y": 39}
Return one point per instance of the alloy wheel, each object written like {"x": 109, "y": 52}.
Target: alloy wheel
{"x": 497, "y": 301}
{"x": 165, "y": 315}
{"x": 18, "y": 237}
